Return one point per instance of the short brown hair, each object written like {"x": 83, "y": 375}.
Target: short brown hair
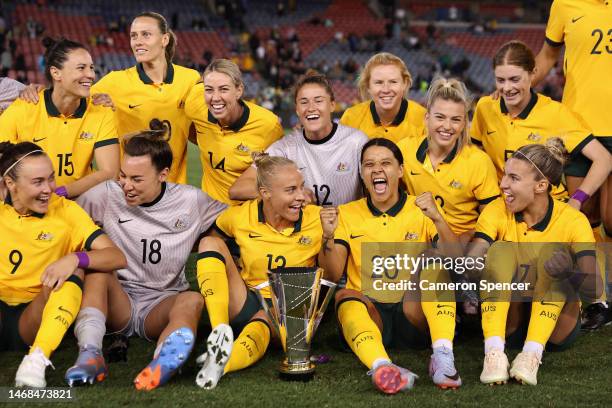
{"x": 547, "y": 159}
{"x": 515, "y": 53}
{"x": 152, "y": 142}
{"x": 313, "y": 76}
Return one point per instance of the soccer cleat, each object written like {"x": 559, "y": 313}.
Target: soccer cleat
{"x": 442, "y": 369}
{"x": 172, "y": 355}
{"x": 31, "y": 371}
{"x": 495, "y": 368}
{"x": 90, "y": 367}
{"x": 391, "y": 379}
{"x": 525, "y": 368}
{"x": 596, "y": 315}
{"x": 218, "y": 349}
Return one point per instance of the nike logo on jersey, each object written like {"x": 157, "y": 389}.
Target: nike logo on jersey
{"x": 412, "y": 173}
{"x": 490, "y": 132}
{"x": 123, "y": 221}
{"x": 254, "y": 235}
{"x": 576, "y": 19}
{"x": 35, "y": 140}
{"x": 134, "y": 106}
{"x": 356, "y": 236}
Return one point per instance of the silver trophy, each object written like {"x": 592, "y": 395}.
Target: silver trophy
{"x": 299, "y": 298}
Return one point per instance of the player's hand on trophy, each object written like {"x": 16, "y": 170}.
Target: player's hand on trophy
{"x": 329, "y": 221}
{"x": 427, "y": 204}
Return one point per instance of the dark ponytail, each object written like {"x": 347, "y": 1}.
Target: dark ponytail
{"x": 153, "y": 143}
{"x": 12, "y": 153}
{"x": 56, "y": 53}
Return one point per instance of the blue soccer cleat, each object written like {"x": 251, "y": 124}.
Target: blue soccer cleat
{"x": 173, "y": 354}
{"x": 90, "y": 367}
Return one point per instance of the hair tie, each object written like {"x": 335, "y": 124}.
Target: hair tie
{"x": 20, "y": 159}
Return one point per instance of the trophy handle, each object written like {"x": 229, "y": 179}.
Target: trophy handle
{"x": 271, "y": 312}
{"x": 318, "y": 315}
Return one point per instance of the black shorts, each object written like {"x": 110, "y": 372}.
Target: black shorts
{"x": 249, "y": 309}
{"x": 579, "y": 164}
{"x": 516, "y": 340}
{"x": 10, "y": 340}
{"x": 397, "y": 332}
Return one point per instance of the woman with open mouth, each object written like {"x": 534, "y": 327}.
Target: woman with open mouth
{"x": 386, "y": 110}
{"x": 229, "y": 129}
{"x": 552, "y": 237}
{"x": 521, "y": 116}
{"x": 51, "y": 241}
{"x": 326, "y": 153}
{"x": 66, "y": 124}
{"x": 368, "y": 322}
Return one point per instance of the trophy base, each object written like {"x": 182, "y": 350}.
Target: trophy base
{"x": 303, "y": 371}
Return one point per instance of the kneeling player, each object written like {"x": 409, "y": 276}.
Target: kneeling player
{"x": 528, "y": 214}
{"x": 273, "y": 231}
{"x": 50, "y": 240}
{"x": 388, "y": 214}
{"x": 157, "y": 224}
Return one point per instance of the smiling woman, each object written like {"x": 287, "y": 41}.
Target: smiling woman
{"x": 66, "y": 124}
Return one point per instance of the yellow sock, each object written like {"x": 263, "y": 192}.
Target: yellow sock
{"x": 212, "y": 281}
{"x": 494, "y": 316}
{"x": 438, "y": 306}
{"x": 250, "y": 346}
{"x": 361, "y": 333}
{"x": 60, "y": 311}
{"x": 543, "y": 320}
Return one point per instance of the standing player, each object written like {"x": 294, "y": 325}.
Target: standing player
{"x": 528, "y": 214}
{"x": 522, "y": 117}
{"x": 273, "y": 231}
{"x": 459, "y": 175}
{"x": 50, "y": 240}
{"x": 229, "y": 129}
{"x": 326, "y": 153}
{"x": 388, "y": 214}
{"x": 66, "y": 124}
{"x": 157, "y": 224}
{"x": 585, "y": 28}
{"x": 153, "y": 88}
{"x": 385, "y": 110}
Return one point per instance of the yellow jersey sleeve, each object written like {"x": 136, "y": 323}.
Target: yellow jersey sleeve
{"x": 490, "y": 222}
{"x": 9, "y": 120}
{"x": 477, "y": 126}
{"x": 556, "y": 24}
{"x": 107, "y": 133}
{"x": 84, "y": 230}
{"x": 224, "y": 223}
{"x": 571, "y": 130}
{"x": 195, "y": 105}
{"x": 348, "y": 118}
{"x": 486, "y": 187}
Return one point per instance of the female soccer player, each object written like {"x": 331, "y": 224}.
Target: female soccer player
{"x": 229, "y": 129}
{"x": 154, "y": 88}
{"x": 157, "y": 224}
{"x": 583, "y": 27}
{"x": 68, "y": 127}
{"x": 326, "y": 153}
{"x": 459, "y": 175}
{"x": 528, "y": 214}
{"x": 385, "y": 110}
{"x": 51, "y": 241}
{"x": 273, "y": 231}
{"x": 388, "y": 214}
{"x": 522, "y": 117}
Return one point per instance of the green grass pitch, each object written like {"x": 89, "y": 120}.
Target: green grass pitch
{"x": 577, "y": 377}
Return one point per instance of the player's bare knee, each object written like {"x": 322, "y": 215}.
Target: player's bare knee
{"x": 190, "y": 300}
{"x": 213, "y": 244}
{"x": 344, "y": 293}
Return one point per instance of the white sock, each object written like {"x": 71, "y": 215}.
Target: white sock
{"x": 380, "y": 361}
{"x": 494, "y": 342}
{"x": 90, "y": 327}
{"x": 442, "y": 343}
{"x": 534, "y": 347}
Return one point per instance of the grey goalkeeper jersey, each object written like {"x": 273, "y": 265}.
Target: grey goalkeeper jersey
{"x": 330, "y": 166}
{"x": 156, "y": 238}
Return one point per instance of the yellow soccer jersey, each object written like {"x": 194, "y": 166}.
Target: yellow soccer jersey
{"x": 461, "y": 182}
{"x": 138, "y": 100}
{"x": 409, "y": 122}
{"x": 561, "y": 223}
{"x": 501, "y": 135}
{"x": 360, "y": 222}
{"x": 225, "y": 153}
{"x": 585, "y": 27}
{"x": 69, "y": 141}
{"x": 263, "y": 248}
{"x": 36, "y": 241}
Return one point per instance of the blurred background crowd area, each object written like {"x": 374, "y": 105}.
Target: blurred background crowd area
{"x": 274, "y": 42}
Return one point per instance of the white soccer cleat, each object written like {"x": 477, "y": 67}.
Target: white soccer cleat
{"x": 218, "y": 349}
{"x": 31, "y": 371}
{"x": 525, "y": 368}
{"x": 495, "y": 368}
